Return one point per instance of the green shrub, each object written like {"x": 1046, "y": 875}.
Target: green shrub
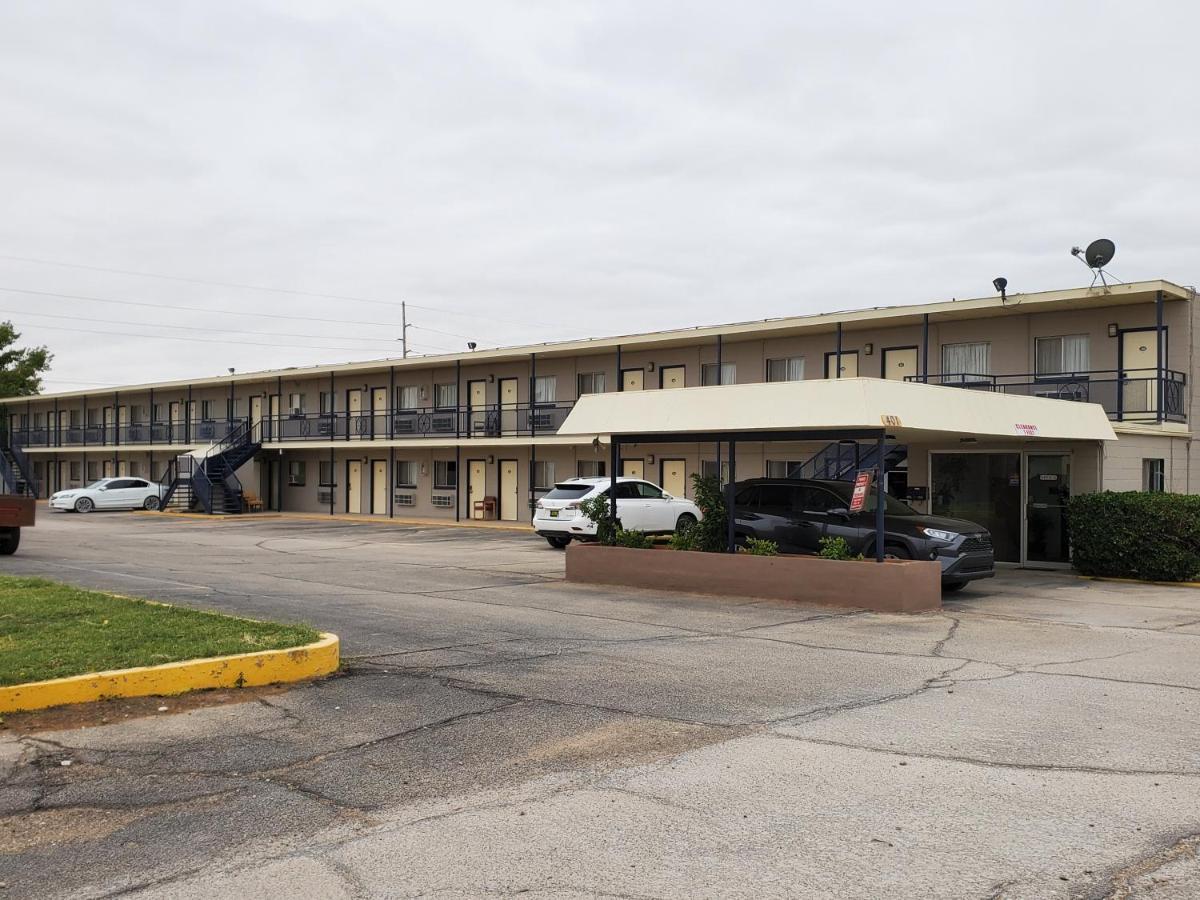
{"x": 634, "y": 540}
{"x": 1150, "y": 536}
{"x": 710, "y": 533}
{"x": 836, "y": 548}
{"x": 759, "y": 547}
{"x": 598, "y": 510}
{"x": 683, "y": 538}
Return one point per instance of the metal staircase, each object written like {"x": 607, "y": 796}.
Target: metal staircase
{"x": 207, "y": 480}
{"x": 16, "y": 474}
{"x": 840, "y": 462}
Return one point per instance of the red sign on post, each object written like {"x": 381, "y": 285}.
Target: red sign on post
{"x": 862, "y": 485}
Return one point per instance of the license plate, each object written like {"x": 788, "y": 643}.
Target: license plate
{"x": 554, "y": 513}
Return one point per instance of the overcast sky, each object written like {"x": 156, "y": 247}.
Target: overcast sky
{"x": 537, "y": 171}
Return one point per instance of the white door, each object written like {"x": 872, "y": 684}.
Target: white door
{"x": 355, "y": 423}
{"x": 508, "y": 404}
{"x": 631, "y": 468}
{"x": 256, "y": 418}
{"x": 379, "y": 425}
{"x": 477, "y": 400}
{"x": 672, "y": 377}
{"x": 354, "y": 487}
{"x": 122, "y": 468}
{"x": 1139, "y": 360}
{"x": 476, "y": 486}
{"x": 632, "y": 379}
{"x": 849, "y": 365}
{"x": 379, "y": 487}
{"x": 674, "y": 477}
{"x": 900, "y": 363}
{"x": 509, "y": 495}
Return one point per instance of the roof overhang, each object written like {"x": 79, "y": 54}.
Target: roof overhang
{"x": 840, "y": 408}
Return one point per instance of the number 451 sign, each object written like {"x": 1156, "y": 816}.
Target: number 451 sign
{"x": 862, "y": 486}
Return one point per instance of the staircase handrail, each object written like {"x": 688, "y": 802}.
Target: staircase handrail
{"x": 24, "y": 467}
{"x": 8, "y": 480}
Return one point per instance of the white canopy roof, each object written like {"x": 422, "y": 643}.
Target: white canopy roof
{"x": 909, "y": 411}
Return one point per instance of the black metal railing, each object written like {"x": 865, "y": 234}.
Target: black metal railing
{"x": 463, "y": 422}
{"x": 199, "y": 431}
{"x": 1125, "y": 397}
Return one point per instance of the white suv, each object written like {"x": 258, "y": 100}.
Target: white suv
{"x": 641, "y": 506}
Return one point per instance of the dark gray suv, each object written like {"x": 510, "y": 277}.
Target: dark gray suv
{"x": 797, "y": 513}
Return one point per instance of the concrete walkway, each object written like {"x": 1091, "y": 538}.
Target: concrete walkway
{"x": 500, "y": 731}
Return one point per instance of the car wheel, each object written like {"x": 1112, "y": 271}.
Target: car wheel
{"x": 895, "y": 551}
{"x": 952, "y": 588}
{"x": 151, "y": 503}
{"x": 84, "y": 505}
{"x": 684, "y": 522}
{"x": 10, "y": 540}
{"x": 558, "y": 543}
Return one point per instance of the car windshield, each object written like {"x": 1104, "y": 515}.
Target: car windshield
{"x": 892, "y": 506}
{"x": 568, "y": 491}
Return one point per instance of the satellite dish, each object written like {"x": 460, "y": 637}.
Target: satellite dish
{"x": 1099, "y": 253}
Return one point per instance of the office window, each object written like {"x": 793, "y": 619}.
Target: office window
{"x": 544, "y": 388}
{"x": 708, "y": 469}
{"x": 297, "y": 472}
{"x": 788, "y": 369}
{"x": 93, "y": 471}
{"x": 325, "y": 474}
{"x": 408, "y": 396}
{"x": 445, "y": 396}
{"x": 406, "y": 473}
{"x": 966, "y": 362}
{"x": 590, "y": 468}
{"x": 445, "y": 474}
{"x": 591, "y": 383}
{"x": 1061, "y": 355}
{"x": 296, "y": 404}
{"x": 784, "y": 468}
{"x": 543, "y": 475}
{"x": 1154, "y": 475}
{"x": 326, "y": 402}
{"x": 725, "y": 373}
{"x": 76, "y": 471}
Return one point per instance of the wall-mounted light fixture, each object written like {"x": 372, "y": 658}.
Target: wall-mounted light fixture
{"x": 650, "y": 459}
{"x": 491, "y": 378}
{"x": 424, "y": 469}
{"x": 649, "y": 367}
{"x": 868, "y": 349}
{"x": 424, "y": 393}
{"x": 491, "y": 459}
{"x": 1113, "y": 329}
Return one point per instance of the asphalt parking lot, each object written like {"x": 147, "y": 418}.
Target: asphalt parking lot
{"x": 498, "y": 731}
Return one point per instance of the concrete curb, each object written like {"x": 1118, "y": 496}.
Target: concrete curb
{"x": 1178, "y": 584}
{"x": 488, "y": 525}
{"x": 240, "y": 670}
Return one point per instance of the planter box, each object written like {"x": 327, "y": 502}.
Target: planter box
{"x": 891, "y": 586}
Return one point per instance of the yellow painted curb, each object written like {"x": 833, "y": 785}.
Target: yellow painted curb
{"x": 1185, "y": 584}
{"x": 240, "y": 670}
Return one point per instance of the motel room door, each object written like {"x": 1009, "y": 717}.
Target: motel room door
{"x": 356, "y": 425}
{"x": 670, "y": 377}
{"x": 674, "y": 476}
{"x": 849, "y": 364}
{"x": 354, "y": 486}
{"x": 379, "y": 417}
{"x": 632, "y": 468}
{"x": 476, "y": 486}
{"x": 1139, "y": 371}
{"x": 256, "y": 418}
{"x": 1047, "y": 489}
{"x": 379, "y": 487}
{"x": 633, "y": 379}
{"x": 507, "y": 392}
{"x": 510, "y": 497}
{"x": 899, "y": 363}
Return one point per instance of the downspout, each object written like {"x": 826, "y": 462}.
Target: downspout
{"x": 620, "y": 377}
{"x": 925, "y": 349}
{"x": 731, "y": 537}
{"x": 1161, "y": 352}
{"x": 837, "y": 362}
{"x": 720, "y": 380}
{"x": 613, "y": 455}
{"x": 532, "y": 389}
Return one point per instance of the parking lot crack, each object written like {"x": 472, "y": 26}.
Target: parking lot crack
{"x": 1122, "y": 884}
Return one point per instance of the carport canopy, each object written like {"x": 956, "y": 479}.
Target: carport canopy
{"x": 871, "y": 409}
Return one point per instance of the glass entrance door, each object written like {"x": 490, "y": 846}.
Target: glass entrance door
{"x": 983, "y": 488}
{"x": 1048, "y": 487}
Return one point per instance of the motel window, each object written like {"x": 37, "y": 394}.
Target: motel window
{"x": 591, "y": 383}
{"x": 39, "y": 420}
{"x": 543, "y": 475}
{"x": 966, "y": 362}
{"x": 93, "y": 471}
{"x": 206, "y": 410}
{"x": 326, "y": 401}
{"x": 1061, "y": 355}
{"x": 406, "y": 473}
{"x": 788, "y": 369}
{"x": 408, "y": 396}
{"x": 157, "y": 413}
{"x": 784, "y": 468}
{"x": 1154, "y": 475}
{"x": 590, "y": 468}
{"x": 708, "y": 469}
{"x": 93, "y": 416}
{"x": 297, "y": 472}
{"x": 544, "y": 388}
{"x": 296, "y": 404}
{"x": 445, "y": 396}
{"x": 445, "y": 474}
{"x": 135, "y": 468}
{"x": 75, "y": 417}
{"x": 325, "y": 473}
{"x": 137, "y": 414}
{"x": 76, "y": 471}
{"x": 725, "y": 373}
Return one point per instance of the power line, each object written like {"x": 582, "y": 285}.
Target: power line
{"x": 272, "y": 290}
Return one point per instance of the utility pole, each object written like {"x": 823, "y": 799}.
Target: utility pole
{"x": 403, "y": 329}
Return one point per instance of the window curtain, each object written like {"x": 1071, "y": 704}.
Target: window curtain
{"x": 1075, "y": 356}
{"x": 966, "y": 362}
{"x": 544, "y": 389}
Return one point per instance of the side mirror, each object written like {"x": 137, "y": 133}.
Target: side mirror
{"x": 840, "y": 512}
{"x": 667, "y": 496}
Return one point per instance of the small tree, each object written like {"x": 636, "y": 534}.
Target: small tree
{"x": 710, "y": 533}
{"x": 20, "y": 370}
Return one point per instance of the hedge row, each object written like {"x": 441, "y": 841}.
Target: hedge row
{"x": 1155, "y": 537}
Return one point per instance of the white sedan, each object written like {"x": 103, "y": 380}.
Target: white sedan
{"x": 641, "y": 506}
{"x": 110, "y": 493}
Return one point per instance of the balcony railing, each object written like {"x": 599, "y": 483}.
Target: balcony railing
{"x": 1125, "y": 397}
{"x": 521, "y": 419}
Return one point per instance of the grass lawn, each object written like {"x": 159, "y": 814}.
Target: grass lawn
{"x": 51, "y": 630}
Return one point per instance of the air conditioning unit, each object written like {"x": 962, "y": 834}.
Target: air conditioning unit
{"x": 295, "y": 482}
{"x": 443, "y": 501}
{"x": 406, "y": 499}
{"x": 325, "y": 497}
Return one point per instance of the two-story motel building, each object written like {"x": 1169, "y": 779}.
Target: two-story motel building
{"x": 465, "y": 435}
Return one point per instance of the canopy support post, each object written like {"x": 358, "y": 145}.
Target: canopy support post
{"x": 614, "y": 455}
{"x": 731, "y": 537}
{"x": 879, "y": 507}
